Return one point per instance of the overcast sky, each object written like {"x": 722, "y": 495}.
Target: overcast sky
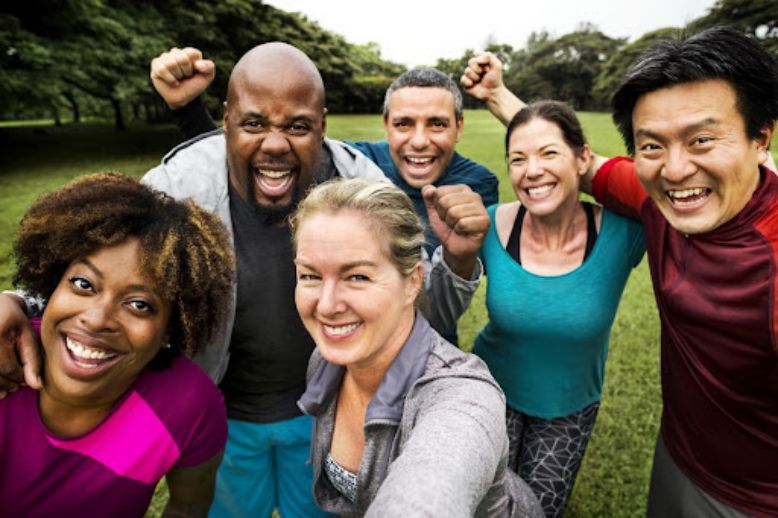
{"x": 418, "y": 32}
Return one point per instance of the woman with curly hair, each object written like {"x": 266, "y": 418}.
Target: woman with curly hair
{"x": 131, "y": 279}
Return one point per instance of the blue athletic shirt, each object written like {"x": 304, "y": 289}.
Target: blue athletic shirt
{"x": 460, "y": 170}
{"x": 547, "y": 337}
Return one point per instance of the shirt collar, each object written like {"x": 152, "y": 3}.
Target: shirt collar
{"x": 388, "y": 402}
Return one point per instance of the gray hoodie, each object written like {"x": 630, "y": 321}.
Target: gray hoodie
{"x": 435, "y": 439}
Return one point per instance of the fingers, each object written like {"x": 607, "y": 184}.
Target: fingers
{"x": 205, "y": 67}
{"x": 29, "y": 354}
{"x": 459, "y": 207}
{"x": 472, "y": 74}
{"x": 477, "y": 67}
{"x": 19, "y": 352}
{"x": 11, "y": 376}
{"x": 176, "y": 64}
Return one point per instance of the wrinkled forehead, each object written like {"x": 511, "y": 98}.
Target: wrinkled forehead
{"x": 282, "y": 88}
{"x": 711, "y": 102}
{"x": 428, "y": 100}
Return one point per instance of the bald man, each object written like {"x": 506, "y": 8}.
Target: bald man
{"x": 253, "y": 174}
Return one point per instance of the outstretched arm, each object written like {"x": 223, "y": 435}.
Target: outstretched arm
{"x": 449, "y": 461}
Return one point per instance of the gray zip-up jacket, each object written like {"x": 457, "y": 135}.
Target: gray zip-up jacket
{"x": 197, "y": 169}
{"x": 435, "y": 438}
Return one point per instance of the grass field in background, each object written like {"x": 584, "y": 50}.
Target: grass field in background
{"x": 614, "y": 478}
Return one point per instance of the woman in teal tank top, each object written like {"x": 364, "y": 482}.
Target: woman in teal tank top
{"x": 557, "y": 267}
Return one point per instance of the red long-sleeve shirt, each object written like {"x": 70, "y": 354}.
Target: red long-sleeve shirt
{"x": 717, "y": 294}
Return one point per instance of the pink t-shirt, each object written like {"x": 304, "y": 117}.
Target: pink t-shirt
{"x": 174, "y": 417}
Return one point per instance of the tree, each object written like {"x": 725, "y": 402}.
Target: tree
{"x": 614, "y": 69}
{"x": 372, "y": 76}
{"x": 64, "y": 54}
{"x": 758, "y": 18}
{"x": 99, "y": 48}
{"x": 563, "y": 68}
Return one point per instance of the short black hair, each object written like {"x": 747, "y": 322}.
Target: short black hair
{"x": 717, "y": 53}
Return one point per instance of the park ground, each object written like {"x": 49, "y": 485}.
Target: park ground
{"x": 613, "y": 480}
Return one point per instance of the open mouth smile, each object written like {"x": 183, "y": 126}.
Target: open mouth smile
{"x": 342, "y": 331}
{"x": 686, "y": 199}
{"x": 540, "y": 191}
{"x": 273, "y": 183}
{"x": 87, "y": 360}
{"x": 419, "y": 166}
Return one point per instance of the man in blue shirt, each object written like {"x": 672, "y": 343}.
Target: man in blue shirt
{"x": 423, "y": 122}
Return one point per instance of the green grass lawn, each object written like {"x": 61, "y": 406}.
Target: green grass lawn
{"x": 614, "y": 478}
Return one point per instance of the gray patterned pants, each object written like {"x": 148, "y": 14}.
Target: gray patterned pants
{"x": 547, "y": 453}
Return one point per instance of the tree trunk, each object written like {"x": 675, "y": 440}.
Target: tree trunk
{"x": 74, "y": 107}
{"x": 117, "y": 113}
{"x": 55, "y": 114}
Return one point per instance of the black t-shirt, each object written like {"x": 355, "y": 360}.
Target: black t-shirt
{"x": 270, "y": 348}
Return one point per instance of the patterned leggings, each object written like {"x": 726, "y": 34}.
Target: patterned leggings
{"x": 547, "y": 453}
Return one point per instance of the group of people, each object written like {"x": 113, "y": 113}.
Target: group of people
{"x": 318, "y": 283}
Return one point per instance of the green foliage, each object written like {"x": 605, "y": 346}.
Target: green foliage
{"x": 453, "y": 68}
{"x": 614, "y": 69}
{"x": 372, "y": 76}
{"x": 759, "y": 18}
{"x": 564, "y": 68}
{"x": 93, "y": 55}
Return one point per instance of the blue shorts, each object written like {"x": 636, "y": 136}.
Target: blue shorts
{"x": 266, "y": 466}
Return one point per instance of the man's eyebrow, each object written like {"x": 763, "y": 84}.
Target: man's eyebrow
{"x": 685, "y": 131}
{"x": 299, "y": 118}
{"x": 251, "y": 114}
{"x": 701, "y": 124}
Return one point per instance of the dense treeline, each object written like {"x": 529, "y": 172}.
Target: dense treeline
{"x": 91, "y": 56}
{"x": 88, "y": 56}
{"x": 585, "y": 66}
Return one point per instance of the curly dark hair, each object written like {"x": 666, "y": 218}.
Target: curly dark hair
{"x": 184, "y": 249}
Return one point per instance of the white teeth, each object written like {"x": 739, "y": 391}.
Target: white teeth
{"x": 340, "y": 330}
{"x": 538, "y": 191}
{"x": 417, "y": 160}
{"x": 685, "y": 193}
{"x": 274, "y": 174}
{"x": 86, "y": 353}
